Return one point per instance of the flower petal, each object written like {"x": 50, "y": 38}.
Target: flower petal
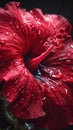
{"x": 57, "y": 104}
{"x": 53, "y": 25}
{"x": 61, "y": 65}
{"x": 14, "y": 35}
{"x": 16, "y": 40}
{"x": 22, "y": 89}
{"x": 22, "y": 33}
{"x": 56, "y": 80}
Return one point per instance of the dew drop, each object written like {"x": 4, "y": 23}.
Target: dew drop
{"x": 68, "y": 61}
{"x": 17, "y": 27}
{"x": 2, "y": 41}
{"x": 16, "y": 104}
{"x": 32, "y": 95}
{"x": 17, "y": 62}
{"x": 21, "y": 100}
{"x": 8, "y": 94}
{"x": 29, "y": 126}
{"x": 60, "y": 58}
{"x": 44, "y": 83}
{"x": 7, "y": 27}
{"x": 72, "y": 46}
{"x": 41, "y": 41}
{"x": 14, "y": 34}
{"x": 22, "y": 92}
{"x": 39, "y": 22}
{"x": 10, "y": 22}
{"x": 54, "y": 76}
{"x": 60, "y": 75}
{"x": 16, "y": 81}
{"x": 66, "y": 90}
{"x": 7, "y": 33}
{"x": 36, "y": 18}
{"x": 43, "y": 98}
{"x": 26, "y": 73}
{"x": 52, "y": 87}
{"x": 39, "y": 32}
{"x": 38, "y": 72}
{"x": 69, "y": 54}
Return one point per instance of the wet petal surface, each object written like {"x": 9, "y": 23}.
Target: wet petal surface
{"x": 36, "y": 65}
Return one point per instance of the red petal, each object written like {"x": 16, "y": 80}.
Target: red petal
{"x": 57, "y": 23}
{"x": 58, "y": 104}
{"x": 14, "y": 33}
{"x": 20, "y": 33}
{"x": 61, "y": 65}
{"x": 22, "y": 89}
{"x": 52, "y": 25}
{"x": 57, "y": 81}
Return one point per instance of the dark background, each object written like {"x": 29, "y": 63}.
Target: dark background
{"x": 63, "y": 7}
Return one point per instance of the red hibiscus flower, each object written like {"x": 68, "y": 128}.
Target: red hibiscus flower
{"x": 36, "y": 63}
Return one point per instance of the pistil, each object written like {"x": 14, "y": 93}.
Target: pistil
{"x": 34, "y": 63}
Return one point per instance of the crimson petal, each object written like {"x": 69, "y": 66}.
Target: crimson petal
{"x": 13, "y": 39}
{"x": 22, "y": 89}
{"x": 50, "y": 94}
{"x": 61, "y": 65}
{"x": 57, "y": 104}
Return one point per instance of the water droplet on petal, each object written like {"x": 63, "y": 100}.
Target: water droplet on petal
{"x": 32, "y": 95}
{"x": 60, "y": 75}
{"x": 60, "y": 58}
{"x": 36, "y": 18}
{"x": 7, "y": 27}
{"x": 17, "y": 62}
{"x": 14, "y": 34}
{"x": 66, "y": 90}
{"x": 43, "y": 98}
{"x": 16, "y": 105}
{"x": 54, "y": 76}
{"x": 2, "y": 41}
{"x": 72, "y": 46}
{"x": 16, "y": 81}
{"x": 7, "y": 33}
{"x": 17, "y": 27}
{"x": 39, "y": 32}
{"x": 68, "y": 61}
{"x": 52, "y": 87}
{"x": 39, "y": 22}
{"x": 44, "y": 84}
{"x": 25, "y": 73}
{"x": 10, "y": 22}
{"x": 8, "y": 94}
{"x": 21, "y": 100}
{"x": 38, "y": 72}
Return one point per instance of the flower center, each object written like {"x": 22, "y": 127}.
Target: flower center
{"x": 33, "y": 63}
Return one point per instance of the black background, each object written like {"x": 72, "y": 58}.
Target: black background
{"x": 63, "y": 7}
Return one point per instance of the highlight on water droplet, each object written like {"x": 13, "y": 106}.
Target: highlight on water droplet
{"x": 72, "y": 46}
{"x": 7, "y": 33}
{"x": 66, "y": 90}
{"x": 17, "y": 27}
